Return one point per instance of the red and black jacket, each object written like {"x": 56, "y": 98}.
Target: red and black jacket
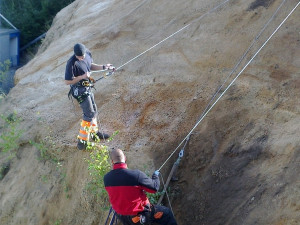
{"x": 126, "y": 189}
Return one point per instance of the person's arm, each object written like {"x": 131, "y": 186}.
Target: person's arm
{"x": 95, "y": 67}
{"x": 77, "y": 79}
{"x": 148, "y": 184}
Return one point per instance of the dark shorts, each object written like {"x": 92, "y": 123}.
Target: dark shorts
{"x": 158, "y": 215}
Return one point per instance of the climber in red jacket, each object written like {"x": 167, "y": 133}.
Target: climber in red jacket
{"x": 126, "y": 189}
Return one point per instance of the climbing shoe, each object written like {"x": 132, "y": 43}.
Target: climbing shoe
{"x": 99, "y": 135}
{"x": 81, "y": 145}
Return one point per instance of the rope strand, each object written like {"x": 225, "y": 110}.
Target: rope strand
{"x": 243, "y": 56}
{"x": 231, "y": 83}
{"x": 208, "y": 12}
{"x": 162, "y": 179}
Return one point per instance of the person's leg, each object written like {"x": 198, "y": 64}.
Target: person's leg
{"x": 88, "y": 108}
{"x": 162, "y": 215}
{"x": 126, "y": 220}
{"x": 94, "y": 122}
{"x": 94, "y": 104}
{"x": 88, "y": 115}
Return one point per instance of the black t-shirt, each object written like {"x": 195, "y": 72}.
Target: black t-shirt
{"x": 77, "y": 67}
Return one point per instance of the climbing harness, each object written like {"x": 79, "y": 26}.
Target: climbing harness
{"x": 113, "y": 220}
{"x": 86, "y": 83}
{"x": 79, "y": 92}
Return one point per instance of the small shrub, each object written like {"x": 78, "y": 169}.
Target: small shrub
{"x": 56, "y": 222}
{"x": 6, "y": 80}
{"x": 47, "y": 149}
{"x": 98, "y": 166}
{"x": 9, "y": 139}
{"x": 4, "y": 68}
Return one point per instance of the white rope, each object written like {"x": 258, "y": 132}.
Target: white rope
{"x": 208, "y": 12}
{"x": 243, "y": 56}
{"x": 231, "y": 83}
{"x": 162, "y": 179}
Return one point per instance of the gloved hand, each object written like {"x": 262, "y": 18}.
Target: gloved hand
{"x": 156, "y": 172}
{"x": 110, "y": 66}
{"x": 86, "y": 75}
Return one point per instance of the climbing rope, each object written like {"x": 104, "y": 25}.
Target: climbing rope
{"x": 205, "y": 14}
{"x": 207, "y": 110}
{"x": 183, "y": 28}
{"x": 113, "y": 220}
{"x": 243, "y": 56}
{"x": 204, "y": 115}
{"x": 171, "y": 177}
{"x": 165, "y": 188}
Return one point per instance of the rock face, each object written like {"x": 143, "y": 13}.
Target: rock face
{"x": 241, "y": 165}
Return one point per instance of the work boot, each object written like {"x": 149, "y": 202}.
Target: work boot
{"x": 100, "y": 136}
{"x": 81, "y": 145}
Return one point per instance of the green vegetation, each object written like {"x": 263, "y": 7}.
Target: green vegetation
{"x": 56, "y": 222}
{"x": 6, "y": 80}
{"x": 63, "y": 175}
{"x": 47, "y": 149}
{"x": 98, "y": 166}
{"x": 31, "y": 17}
{"x": 9, "y": 138}
{"x": 153, "y": 198}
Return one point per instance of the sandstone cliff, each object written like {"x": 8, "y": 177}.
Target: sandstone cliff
{"x": 241, "y": 165}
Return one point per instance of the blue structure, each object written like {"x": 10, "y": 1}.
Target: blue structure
{"x": 9, "y": 43}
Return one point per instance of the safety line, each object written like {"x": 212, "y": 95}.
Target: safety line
{"x": 205, "y": 14}
{"x": 243, "y": 56}
{"x": 208, "y": 12}
{"x": 231, "y": 83}
{"x": 162, "y": 179}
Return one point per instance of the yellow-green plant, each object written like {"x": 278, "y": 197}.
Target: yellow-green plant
{"x": 4, "y": 68}
{"x": 6, "y": 81}
{"x": 46, "y": 148}
{"x": 56, "y": 222}
{"x": 9, "y": 138}
{"x": 98, "y": 166}
{"x": 154, "y": 197}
